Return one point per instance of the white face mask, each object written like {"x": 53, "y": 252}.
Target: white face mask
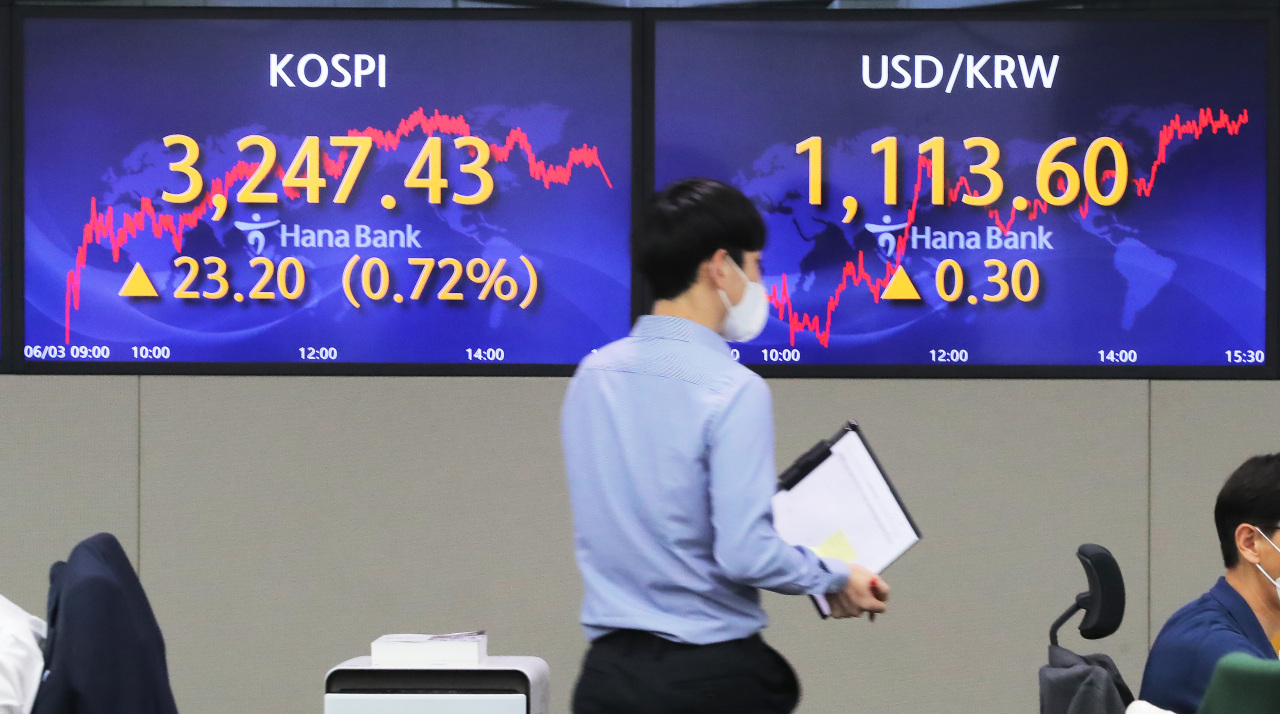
{"x": 747, "y": 319}
{"x": 1259, "y": 565}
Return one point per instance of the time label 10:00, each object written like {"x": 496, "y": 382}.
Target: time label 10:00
{"x": 771, "y": 355}
{"x": 1068, "y": 184}
{"x": 305, "y": 172}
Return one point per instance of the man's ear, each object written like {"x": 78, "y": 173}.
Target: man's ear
{"x": 1247, "y": 542}
{"x": 718, "y": 268}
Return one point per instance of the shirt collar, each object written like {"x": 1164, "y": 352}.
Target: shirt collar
{"x": 1240, "y": 611}
{"x": 663, "y": 327}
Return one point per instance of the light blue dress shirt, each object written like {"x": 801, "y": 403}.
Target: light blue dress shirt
{"x": 668, "y": 444}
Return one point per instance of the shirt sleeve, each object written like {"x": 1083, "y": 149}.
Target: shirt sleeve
{"x": 1181, "y": 663}
{"x": 1215, "y": 645}
{"x": 11, "y": 700}
{"x": 743, "y": 482}
{"x": 20, "y": 664}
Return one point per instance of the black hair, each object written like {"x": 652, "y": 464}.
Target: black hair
{"x": 687, "y": 222}
{"x": 1251, "y": 495}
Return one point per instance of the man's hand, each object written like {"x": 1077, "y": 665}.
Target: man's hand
{"x": 865, "y": 592}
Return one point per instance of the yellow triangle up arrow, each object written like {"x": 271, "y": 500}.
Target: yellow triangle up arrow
{"x": 900, "y": 287}
{"x": 138, "y": 284}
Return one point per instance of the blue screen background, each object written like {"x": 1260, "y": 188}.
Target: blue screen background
{"x": 100, "y": 94}
{"x": 1178, "y": 277}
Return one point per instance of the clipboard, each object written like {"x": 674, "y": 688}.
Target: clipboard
{"x": 837, "y": 501}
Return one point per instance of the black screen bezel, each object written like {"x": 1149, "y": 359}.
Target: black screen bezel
{"x": 9, "y": 273}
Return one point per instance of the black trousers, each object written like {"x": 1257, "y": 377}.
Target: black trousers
{"x": 632, "y": 672}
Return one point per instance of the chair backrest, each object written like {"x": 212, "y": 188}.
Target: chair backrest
{"x": 1104, "y": 609}
{"x": 1103, "y": 602}
{"x": 1243, "y": 684}
{"x": 104, "y": 653}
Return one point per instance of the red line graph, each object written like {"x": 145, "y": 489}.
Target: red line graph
{"x": 102, "y": 225}
{"x": 857, "y": 274}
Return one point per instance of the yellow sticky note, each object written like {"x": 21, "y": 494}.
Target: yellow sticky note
{"x": 837, "y": 546}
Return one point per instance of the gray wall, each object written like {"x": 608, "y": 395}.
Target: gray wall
{"x": 280, "y": 524}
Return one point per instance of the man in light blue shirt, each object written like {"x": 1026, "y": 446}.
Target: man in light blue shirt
{"x": 668, "y": 445}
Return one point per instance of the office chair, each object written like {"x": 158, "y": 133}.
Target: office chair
{"x": 1103, "y": 602}
{"x": 1243, "y": 684}
{"x": 1088, "y": 684}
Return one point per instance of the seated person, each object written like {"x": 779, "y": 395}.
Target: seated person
{"x": 21, "y": 659}
{"x": 1241, "y": 613}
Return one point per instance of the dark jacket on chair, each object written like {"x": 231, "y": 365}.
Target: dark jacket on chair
{"x": 104, "y": 654}
{"x": 1081, "y": 684}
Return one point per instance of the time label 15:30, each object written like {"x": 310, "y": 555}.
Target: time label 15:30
{"x": 1246, "y": 356}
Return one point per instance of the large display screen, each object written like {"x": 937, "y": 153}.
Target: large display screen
{"x": 6, "y": 262}
{"x": 325, "y": 190}
{"x": 958, "y": 194}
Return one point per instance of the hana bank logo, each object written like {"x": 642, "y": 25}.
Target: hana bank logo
{"x": 884, "y": 234}
{"x": 253, "y": 231}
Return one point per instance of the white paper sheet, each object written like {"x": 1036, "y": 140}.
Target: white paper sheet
{"x": 845, "y": 509}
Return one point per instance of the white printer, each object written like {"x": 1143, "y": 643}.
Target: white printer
{"x": 494, "y": 685}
